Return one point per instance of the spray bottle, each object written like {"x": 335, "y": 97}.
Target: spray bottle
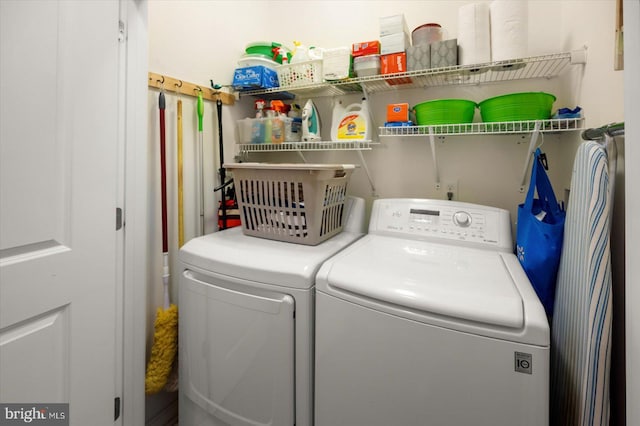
{"x": 257, "y": 125}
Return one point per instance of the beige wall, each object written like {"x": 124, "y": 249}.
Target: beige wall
{"x": 199, "y": 41}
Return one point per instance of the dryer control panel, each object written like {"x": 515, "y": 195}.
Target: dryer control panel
{"x": 451, "y": 221}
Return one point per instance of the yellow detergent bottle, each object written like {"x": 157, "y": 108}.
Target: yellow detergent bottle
{"x": 351, "y": 123}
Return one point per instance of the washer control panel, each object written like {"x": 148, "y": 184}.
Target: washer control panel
{"x": 442, "y": 220}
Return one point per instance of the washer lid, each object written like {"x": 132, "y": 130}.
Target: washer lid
{"x": 232, "y": 253}
{"x": 470, "y": 284}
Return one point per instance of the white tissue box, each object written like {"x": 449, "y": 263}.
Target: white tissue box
{"x": 336, "y": 63}
{"x": 394, "y": 43}
{"x": 393, "y": 24}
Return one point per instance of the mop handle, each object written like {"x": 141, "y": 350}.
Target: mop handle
{"x": 201, "y": 146}
{"x": 163, "y": 174}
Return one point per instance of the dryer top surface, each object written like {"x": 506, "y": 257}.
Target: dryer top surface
{"x": 234, "y": 254}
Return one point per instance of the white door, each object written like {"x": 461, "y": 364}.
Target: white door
{"x": 58, "y": 180}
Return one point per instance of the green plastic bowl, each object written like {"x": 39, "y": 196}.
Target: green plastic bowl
{"x": 266, "y": 49}
{"x": 517, "y": 107}
{"x": 444, "y": 111}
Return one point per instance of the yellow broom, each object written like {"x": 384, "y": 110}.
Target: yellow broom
{"x": 173, "y": 380}
{"x": 165, "y": 335}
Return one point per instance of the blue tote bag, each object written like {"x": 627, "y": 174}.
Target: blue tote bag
{"x": 539, "y": 234}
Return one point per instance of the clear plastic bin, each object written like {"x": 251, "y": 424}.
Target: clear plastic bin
{"x": 297, "y": 203}
{"x": 262, "y": 130}
{"x": 269, "y": 130}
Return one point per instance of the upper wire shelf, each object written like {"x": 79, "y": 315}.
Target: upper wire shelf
{"x": 505, "y": 127}
{"x": 545, "y": 66}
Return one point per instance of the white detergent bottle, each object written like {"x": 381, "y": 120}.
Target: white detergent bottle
{"x": 351, "y": 123}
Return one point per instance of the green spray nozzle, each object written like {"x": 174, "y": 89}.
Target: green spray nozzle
{"x": 200, "y": 110}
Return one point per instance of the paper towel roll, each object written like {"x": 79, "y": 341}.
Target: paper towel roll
{"x": 474, "y": 34}
{"x": 509, "y": 29}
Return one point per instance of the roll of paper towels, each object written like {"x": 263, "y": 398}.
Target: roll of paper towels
{"x": 474, "y": 34}
{"x": 509, "y": 29}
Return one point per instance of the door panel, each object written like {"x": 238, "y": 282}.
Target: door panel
{"x": 58, "y": 179}
{"x": 34, "y": 354}
{"x": 33, "y": 150}
{"x": 236, "y": 352}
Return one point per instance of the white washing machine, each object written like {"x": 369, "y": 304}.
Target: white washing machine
{"x": 246, "y": 326}
{"x": 430, "y": 320}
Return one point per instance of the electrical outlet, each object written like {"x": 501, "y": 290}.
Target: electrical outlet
{"x": 451, "y": 190}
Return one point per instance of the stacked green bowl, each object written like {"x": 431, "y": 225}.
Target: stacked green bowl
{"x": 444, "y": 111}
{"x": 517, "y": 107}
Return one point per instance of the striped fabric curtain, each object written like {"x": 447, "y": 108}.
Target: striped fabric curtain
{"x": 581, "y": 324}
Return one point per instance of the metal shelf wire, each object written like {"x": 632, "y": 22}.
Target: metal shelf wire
{"x": 545, "y": 66}
{"x": 468, "y": 129}
{"x": 307, "y": 146}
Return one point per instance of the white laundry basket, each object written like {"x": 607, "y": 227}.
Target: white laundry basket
{"x": 298, "y": 203}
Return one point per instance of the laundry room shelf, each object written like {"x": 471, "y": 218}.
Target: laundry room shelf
{"x": 467, "y": 129}
{"x": 544, "y": 66}
{"x": 307, "y": 146}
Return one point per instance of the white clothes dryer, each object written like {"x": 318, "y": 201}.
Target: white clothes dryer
{"x": 430, "y": 320}
{"x": 246, "y": 323}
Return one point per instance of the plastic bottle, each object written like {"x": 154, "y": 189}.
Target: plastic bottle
{"x": 351, "y": 123}
{"x": 259, "y": 105}
{"x": 277, "y": 129}
{"x": 257, "y": 130}
{"x": 279, "y": 122}
{"x": 300, "y": 53}
{"x": 257, "y": 124}
{"x": 267, "y": 125}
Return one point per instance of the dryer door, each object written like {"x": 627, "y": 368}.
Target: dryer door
{"x": 236, "y": 353}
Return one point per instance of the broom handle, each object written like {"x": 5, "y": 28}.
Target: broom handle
{"x": 180, "y": 180}
{"x": 163, "y": 175}
{"x": 163, "y": 185}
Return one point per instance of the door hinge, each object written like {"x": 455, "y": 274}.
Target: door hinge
{"x": 118, "y": 218}
{"x": 121, "y": 35}
{"x": 116, "y": 408}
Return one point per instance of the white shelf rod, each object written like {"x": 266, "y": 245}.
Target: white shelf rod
{"x": 436, "y": 173}
{"x": 532, "y": 146}
{"x": 366, "y": 170}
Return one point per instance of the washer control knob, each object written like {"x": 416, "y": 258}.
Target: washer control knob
{"x": 462, "y": 219}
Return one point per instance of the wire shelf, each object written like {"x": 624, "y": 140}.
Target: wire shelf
{"x": 507, "y": 127}
{"x": 307, "y": 146}
{"x": 545, "y": 66}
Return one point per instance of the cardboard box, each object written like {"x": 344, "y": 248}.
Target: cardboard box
{"x": 398, "y": 112}
{"x": 419, "y": 57}
{"x": 394, "y": 63}
{"x": 393, "y": 24}
{"x": 394, "y": 43}
{"x": 255, "y": 77}
{"x": 365, "y": 48}
{"x": 444, "y": 53}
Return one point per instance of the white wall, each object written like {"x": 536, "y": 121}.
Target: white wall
{"x": 201, "y": 40}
